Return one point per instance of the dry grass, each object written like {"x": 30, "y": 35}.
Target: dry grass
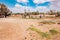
{"x": 19, "y": 26}
{"x": 47, "y": 22}
{"x": 53, "y": 31}
{"x": 42, "y": 34}
{"x": 48, "y": 35}
{"x": 58, "y": 23}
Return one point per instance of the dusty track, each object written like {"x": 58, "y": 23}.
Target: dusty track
{"x": 15, "y": 28}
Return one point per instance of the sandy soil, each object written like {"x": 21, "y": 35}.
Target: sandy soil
{"x": 16, "y": 28}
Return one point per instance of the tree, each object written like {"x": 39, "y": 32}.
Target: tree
{"x": 51, "y": 12}
{"x": 57, "y": 14}
{"x": 4, "y": 11}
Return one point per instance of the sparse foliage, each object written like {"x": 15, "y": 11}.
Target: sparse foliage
{"x": 4, "y": 11}
{"x": 47, "y": 22}
{"x": 42, "y": 34}
{"x": 53, "y": 31}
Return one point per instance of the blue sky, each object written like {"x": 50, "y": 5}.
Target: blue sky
{"x": 11, "y": 3}
{"x": 30, "y": 4}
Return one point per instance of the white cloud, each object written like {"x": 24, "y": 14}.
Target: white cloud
{"x": 18, "y": 5}
{"x": 41, "y": 1}
{"x": 22, "y": 0}
{"x": 21, "y": 9}
{"x": 42, "y": 9}
{"x": 55, "y": 5}
{"x": 17, "y": 9}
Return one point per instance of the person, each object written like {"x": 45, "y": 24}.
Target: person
{"x": 40, "y": 16}
{"x": 5, "y": 14}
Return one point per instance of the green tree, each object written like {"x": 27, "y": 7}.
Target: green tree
{"x": 57, "y": 14}
{"x": 4, "y": 10}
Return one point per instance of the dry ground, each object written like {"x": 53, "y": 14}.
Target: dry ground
{"x": 16, "y": 28}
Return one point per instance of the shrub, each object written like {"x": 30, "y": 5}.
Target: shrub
{"x": 58, "y": 23}
{"x": 47, "y": 22}
{"x": 53, "y": 32}
{"x": 42, "y": 34}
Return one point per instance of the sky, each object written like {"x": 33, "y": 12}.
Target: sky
{"x": 20, "y": 6}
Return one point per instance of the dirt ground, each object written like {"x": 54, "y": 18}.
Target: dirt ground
{"x": 16, "y": 28}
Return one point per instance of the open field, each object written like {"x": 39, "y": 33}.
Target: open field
{"x": 29, "y": 20}
{"x": 18, "y": 29}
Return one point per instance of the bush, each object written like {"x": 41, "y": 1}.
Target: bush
{"x": 53, "y": 32}
{"x": 48, "y": 22}
{"x": 42, "y": 34}
{"x": 58, "y": 23}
